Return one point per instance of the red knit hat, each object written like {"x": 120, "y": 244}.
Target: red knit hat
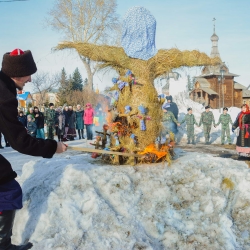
{"x": 18, "y": 63}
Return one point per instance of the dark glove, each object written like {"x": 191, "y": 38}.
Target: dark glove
{"x": 233, "y": 129}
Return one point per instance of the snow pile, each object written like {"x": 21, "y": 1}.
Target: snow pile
{"x": 183, "y": 102}
{"x": 200, "y": 202}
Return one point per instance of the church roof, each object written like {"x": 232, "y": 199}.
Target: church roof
{"x": 217, "y": 74}
{"x": 205, "y": 86}
{"x": 214, "y": 37}
{"x": 246, "y": 93}
{"x": 209, "y": 91}
{"x": 215, "y": 70}
{"x": 239, "y": 86}
{"x": 204, "y": 83}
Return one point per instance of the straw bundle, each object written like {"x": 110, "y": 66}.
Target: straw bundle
{"x": 161, "y": 63}
{"x": 143, "y": 92}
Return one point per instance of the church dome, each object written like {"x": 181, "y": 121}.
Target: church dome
{"x": 214, "y": 37}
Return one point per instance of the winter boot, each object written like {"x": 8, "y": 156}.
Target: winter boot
{"x": 222, "y": 143}
{"x": 1, "y": 147}
{"x": 188, "y": 142}
{"x": 6, "y": 224}
{"x": 79, "y": 134}
{"x": 193, "y": 142}
{"x": 82, "y": 134}
{"x": 7, "y": 145}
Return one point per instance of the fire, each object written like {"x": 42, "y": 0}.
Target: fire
{"x": 151, "y": 149}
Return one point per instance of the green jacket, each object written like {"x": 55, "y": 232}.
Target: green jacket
{"x": 224, "y": 120}
{"x": 207, "y": 118}
{"x": 50, "y": 116}
{"x": 169, "y": 117}
{"x": 189, "y": 119}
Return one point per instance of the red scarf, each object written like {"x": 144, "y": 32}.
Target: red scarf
{"x": 241, "y": 115}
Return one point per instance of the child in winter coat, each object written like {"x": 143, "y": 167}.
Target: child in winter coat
{"x": 22, "y": 118}
{"x": 31, "y": 126}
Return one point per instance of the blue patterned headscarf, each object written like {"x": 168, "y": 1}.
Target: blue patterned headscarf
{"x": 138, "y": 34}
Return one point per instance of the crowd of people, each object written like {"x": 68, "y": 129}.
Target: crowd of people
{"x": 242, "y": 122}
{"x": 170, "y": 122}
{"x": 66, "y": 122}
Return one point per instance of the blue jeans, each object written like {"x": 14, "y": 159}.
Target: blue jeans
{"x": 89, "y": 128}
{"x": 40, "y": 133}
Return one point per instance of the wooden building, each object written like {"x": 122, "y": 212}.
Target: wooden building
{"x": 216, "y": 85}
{"x": 24, "y": 99}
{"x": 246, "y": 96}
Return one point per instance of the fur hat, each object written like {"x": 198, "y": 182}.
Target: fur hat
{"x": 169, "y": 97}
{"x": 18, "y": 63}
{"x": 189, "y": 109}
{"x": 51, "y": 104}
{"x": 225, "y": 108}
{"x": 207, "y": 107}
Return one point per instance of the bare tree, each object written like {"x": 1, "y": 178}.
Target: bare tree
{"x": 86, "y": 96}
{"x": 90, "y": 21}
{"x": 43, "y": 83}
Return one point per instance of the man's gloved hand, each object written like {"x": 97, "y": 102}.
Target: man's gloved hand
{"x": 233, "y": 128}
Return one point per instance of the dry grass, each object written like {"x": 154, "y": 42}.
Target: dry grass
{"x": 161, "y": 63}
{"x": 227, "y": 183}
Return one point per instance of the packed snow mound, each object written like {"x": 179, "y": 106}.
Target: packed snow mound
{"x": 199, "y": 202}
{"x": 183, "y": 102}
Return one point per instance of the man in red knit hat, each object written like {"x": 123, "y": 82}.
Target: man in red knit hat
{"x": 17, "y": 68}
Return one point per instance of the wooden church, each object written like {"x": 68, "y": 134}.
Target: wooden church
{"x": 216, "y": 85}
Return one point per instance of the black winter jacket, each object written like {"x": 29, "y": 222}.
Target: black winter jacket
{"x": 174, "y": 109}
{"x": 39, "y": 120}
{"x": 15, "y": 132}
{"x": 23, "y": 120}
{"x": 67, "y": 117}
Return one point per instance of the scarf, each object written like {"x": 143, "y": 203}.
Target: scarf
{"x": 241, "y": 116}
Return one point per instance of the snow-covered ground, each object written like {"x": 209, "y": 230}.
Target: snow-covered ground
{"x": 75, "y": 202}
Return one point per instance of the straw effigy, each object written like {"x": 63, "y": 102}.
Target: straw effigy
{"x": 145, "y": 71}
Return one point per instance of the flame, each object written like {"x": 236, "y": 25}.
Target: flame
{"x": 153, "y": 150}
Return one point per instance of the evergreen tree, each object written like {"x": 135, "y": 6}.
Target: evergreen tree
{"x": 65, "y": 87}
{"x": 85, "y": 83}
{"x": 190, "y": 83}
{"x": 77, "y": 80}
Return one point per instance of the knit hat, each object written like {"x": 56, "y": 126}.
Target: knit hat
{"x": 189, "y": 109}
{"x": 207, "y": 107}
{"x": 18, "y": 63}
{"x": 225, "y": 108}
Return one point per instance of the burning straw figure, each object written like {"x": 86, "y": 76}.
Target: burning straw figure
{"x": 139, "y": 55}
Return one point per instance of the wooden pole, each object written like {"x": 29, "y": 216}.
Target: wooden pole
{"x": 103, "y": 151}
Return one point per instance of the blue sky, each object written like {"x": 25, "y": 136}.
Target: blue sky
{"x": 180, "y": 23}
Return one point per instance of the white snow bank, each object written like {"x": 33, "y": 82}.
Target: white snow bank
{"x": 76, "y": 203}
